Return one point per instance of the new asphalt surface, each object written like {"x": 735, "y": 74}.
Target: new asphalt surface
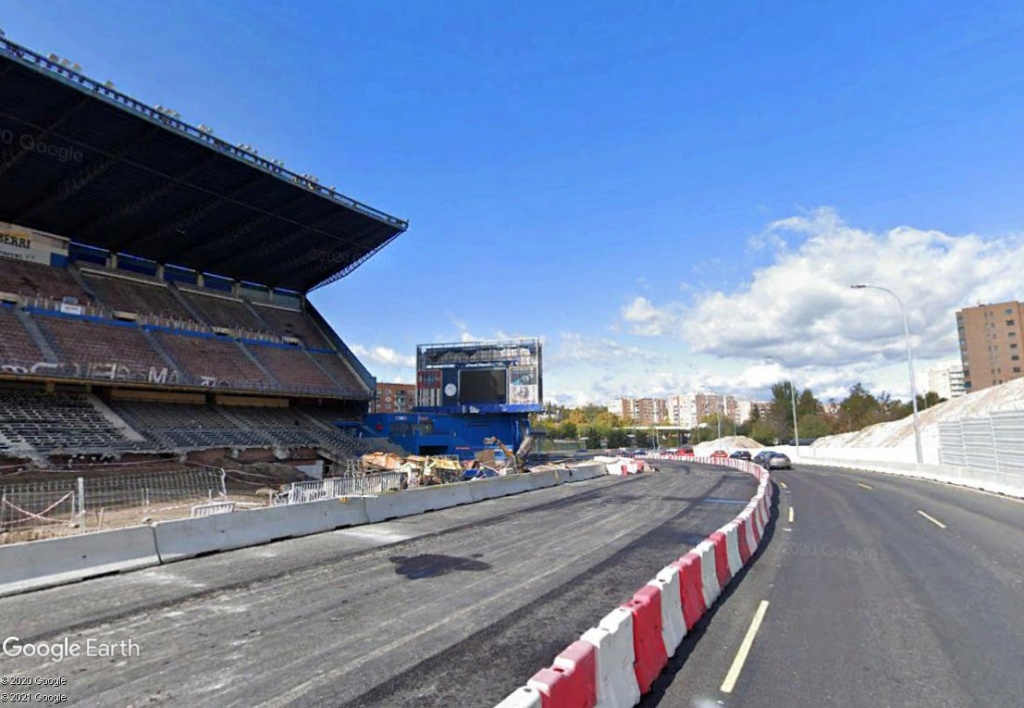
{"x": 456, "y": 607}
{"x": 881, "y": 591}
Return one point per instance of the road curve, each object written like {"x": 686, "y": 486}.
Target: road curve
{"x": 457, "y": 607}
{"x": 882, "y": 591}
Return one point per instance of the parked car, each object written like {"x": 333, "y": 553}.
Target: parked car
{"x": 771, "y": 460}
{"x": 720, "y": 455}
{"x": 685, "y": 450}
{"x": 740, "y": 455}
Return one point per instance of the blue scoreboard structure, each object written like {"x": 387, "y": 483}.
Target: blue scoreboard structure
{"x": 467, "y": 392}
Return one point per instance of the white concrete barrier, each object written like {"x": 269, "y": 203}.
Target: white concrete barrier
{"x": 522, "y": 697}
{"x": 544, "y": 479}
{"x": 708, "y": 571}
{"x": 55, "y": 561}
{"x": 186, "y": 538}
{"x": 580, "y": 473}
{"x": 732, "y": 547}
{"x": 673, "y": 628}
{"x": 616, "y": 681}
{"x": 499, "y": 487}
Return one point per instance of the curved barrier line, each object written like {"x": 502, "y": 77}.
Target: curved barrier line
{"x": 629, "y": 648}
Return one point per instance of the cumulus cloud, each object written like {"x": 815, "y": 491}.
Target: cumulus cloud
{"x": 647, "y": 320}
{"x": 800, "y": 307}
{"x": 384, "y": 355}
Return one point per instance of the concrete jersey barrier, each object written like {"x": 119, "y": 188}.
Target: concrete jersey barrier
{"x": 187, "y": 538}
{"x": 38, "y": 564}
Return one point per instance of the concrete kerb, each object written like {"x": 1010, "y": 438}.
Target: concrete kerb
{"x": 56, "y": 561}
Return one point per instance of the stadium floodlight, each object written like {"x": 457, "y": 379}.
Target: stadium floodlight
{"x": 53, "y": 57}
{"x": 76, "y": 68}
{"x": 109, "y": 85}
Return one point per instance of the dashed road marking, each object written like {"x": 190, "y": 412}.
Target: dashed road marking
{"x": 790, "y": 514}
{"x": 783, "y": 485}
{"x": 864, "y": 486}
{"x": 741, "y": 653}
{"x": 932, "y": 519}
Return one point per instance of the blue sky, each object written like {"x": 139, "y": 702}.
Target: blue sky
{"x": 665, "y": 191}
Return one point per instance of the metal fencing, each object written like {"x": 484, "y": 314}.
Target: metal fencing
{"x": 302, "y": 492}
{"x": 70, "y": 499}
{"x": 994, "y": 443}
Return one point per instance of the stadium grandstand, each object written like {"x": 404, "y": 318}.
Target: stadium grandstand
{"x": 154, "y": 284}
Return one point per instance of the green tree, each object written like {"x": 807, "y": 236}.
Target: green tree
{"x": 813, "y": 426}
{"x": 763, "y": 431}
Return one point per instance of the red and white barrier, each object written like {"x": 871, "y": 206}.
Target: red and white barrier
{"x": 613, "y": 664}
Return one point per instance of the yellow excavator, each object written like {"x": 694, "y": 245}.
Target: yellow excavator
{"x": 515, "y": 460}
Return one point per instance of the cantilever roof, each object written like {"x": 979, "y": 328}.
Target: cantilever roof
{"x": 81, "y": 160}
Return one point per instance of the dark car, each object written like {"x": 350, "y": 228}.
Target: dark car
{"x": 740, "y": 455}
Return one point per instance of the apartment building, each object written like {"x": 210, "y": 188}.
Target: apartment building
{"x": 990, "y": 337}
{"x": 394, "y": 398}
{"x": 644, "y": 411}
{"x": 947, "y": 381}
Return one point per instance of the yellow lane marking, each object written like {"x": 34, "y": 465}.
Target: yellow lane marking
{"x": 865, "y": 486}
{"x": 783, "y": 485}
{"x": 932, "y": 519}
{"x": 790, "y": 514}
{"x": 741, "y": 653}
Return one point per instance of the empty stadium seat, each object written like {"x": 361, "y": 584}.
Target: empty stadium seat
{"x": 99, "y": 345}
{"x": 38, "y": 280}
{"x": 292, "y": 367}
{"x": 16, "y": 346}
{"x": 292, "y": 323}
{"x": 50, "y": 422}
{"x": 350, "y": 383}
{"x": 222, "y": 311}
{"x": 174, "y": 425}
{"x": 137, "y": 296}
{"x": 217, "y": 358}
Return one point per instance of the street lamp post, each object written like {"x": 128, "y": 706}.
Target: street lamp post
{"x": 792, "y": 396}
{"x": 910, "y": 365}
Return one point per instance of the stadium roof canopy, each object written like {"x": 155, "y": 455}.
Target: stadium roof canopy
{"x": 81, "y": 160}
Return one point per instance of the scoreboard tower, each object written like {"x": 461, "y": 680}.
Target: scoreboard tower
{"x": 467, "y": 392}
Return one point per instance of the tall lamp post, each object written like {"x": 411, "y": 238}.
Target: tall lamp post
{"x": 910, "y": 364}
{"x": 792, "y": 395}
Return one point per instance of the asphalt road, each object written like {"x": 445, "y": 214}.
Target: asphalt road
{"x": 870, "y": 602}
{"x": 457, "y": 607}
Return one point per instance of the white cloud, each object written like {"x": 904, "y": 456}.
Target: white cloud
{"x": 800, "y": 307}
{"x": 384, "y": 355}
{"x": 575, "y": 348}
{"x": 647, "y": 320}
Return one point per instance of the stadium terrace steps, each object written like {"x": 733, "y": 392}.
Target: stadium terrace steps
{"x": 218, "y": 359}
{"x": 292, "y": 323}
{"x": 223, "y": 311}
{"x": 118, "y": 348}
{"x": 17, "y": 347}
{"x": 48, "y": 422}
{"x": 136, "y": 296}
{"x": 290, "y": 365}
{"x": 36, "y": 280}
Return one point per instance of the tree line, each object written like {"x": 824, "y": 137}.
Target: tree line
{"x": 597, "y": 427}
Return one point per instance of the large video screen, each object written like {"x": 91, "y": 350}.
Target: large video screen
{"x": 482, "y": 386}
